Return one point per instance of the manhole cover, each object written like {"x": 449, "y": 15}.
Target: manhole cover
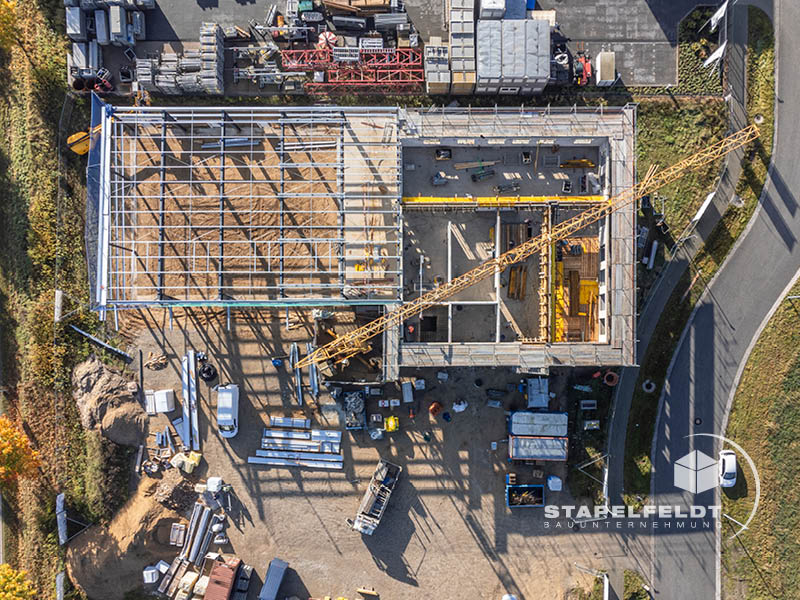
{"x": 698, "y": 421}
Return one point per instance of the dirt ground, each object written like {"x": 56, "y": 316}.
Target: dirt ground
{"x": 447, "y": 528}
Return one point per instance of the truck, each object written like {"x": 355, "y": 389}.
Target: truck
{"x": 373, "y": 505}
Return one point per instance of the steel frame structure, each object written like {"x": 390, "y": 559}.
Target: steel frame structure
{"x": 247, "y": 206}
{"x": 314, "y": 59}
{"x": 397, "y": 70}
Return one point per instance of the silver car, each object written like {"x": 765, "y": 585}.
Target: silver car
{"x": 727, "y": 468}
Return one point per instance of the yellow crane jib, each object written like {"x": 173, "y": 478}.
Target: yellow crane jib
{"x": 350, "y": 343}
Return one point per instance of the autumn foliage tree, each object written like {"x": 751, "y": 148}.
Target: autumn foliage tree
{"x": 17, "y": 458}
{"x": 13, "y": 585}
{"x": 8, "y": 23}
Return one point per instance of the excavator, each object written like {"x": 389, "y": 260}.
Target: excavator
{"x": 354, "y": 342}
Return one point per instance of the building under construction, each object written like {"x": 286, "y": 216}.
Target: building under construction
{"x": 362, "y": 209}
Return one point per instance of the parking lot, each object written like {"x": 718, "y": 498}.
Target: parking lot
{"x": 447, "y": 528}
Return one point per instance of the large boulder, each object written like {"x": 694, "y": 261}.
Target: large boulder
{"x": 106, "y": 403}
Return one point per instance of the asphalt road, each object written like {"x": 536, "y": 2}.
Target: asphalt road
{"x": 718, "y": 336}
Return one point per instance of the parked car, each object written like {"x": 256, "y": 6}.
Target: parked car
{"x": 228, "y": 410}
{"x": 727, "y": 468}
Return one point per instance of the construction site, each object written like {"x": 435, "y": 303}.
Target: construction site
{"x": 360, "y": 210}
{"x": 441, "y": 291}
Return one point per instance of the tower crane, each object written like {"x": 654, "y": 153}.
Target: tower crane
{"x": 355, "y": 341}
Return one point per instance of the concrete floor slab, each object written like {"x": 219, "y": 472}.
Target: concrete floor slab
{"x": 542, "y": 177}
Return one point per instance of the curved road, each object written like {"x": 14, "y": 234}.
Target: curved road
{"x": 717, "y": 338}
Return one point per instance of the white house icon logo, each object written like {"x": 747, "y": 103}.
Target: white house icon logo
{"x": 696, "y": 472}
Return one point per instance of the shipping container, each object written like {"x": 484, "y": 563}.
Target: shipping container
{"x": 76, "y": 24}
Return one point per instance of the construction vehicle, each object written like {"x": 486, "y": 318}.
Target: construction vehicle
{"x": 81, "y": 142}
{"x": 373, "y": 504}
{"x": 583, "y": 69}
{"x": 350, "y": 343}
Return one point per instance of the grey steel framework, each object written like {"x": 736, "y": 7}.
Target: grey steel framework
{"x": 237, "y": 206}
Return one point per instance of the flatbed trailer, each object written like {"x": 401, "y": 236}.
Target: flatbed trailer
{"x": 373, "y": 505}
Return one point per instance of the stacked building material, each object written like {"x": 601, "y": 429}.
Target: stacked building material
{"x": 212, "y": 58}
{"x": 145, "y": 73}
{"x": 491, "y": 9}
{"x": 462, "y": 46}
{"x": 437, "y": 67}
{"x": 513, "y": 56}
{"x": 291, "y": 443}
{"x": 490, "y": 51}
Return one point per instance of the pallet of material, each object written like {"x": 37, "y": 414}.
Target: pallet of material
{"x": 290, "y": 422}
{"x": 169, "y": 575}
{"x": 285, "y": 462}
{"x": 299, "y": 455}
{"x": 287, "y": 434}
{"x": 326, "y": 435}
{"x": 299, "y": 445}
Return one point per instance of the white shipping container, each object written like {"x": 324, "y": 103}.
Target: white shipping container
{"x": 76, "y": 24}
{"x": 95, "y": 56}
{"x": 80, "y": 55}
{"x": 101, "y": 26}
{"x": 117, "y": 25}
{"x": 138, "y": 25}
{"x": 492, "y": 9}
{"x": 408, "y": 392}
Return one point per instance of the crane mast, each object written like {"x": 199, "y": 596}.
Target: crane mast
{"x": 355, "y": 341}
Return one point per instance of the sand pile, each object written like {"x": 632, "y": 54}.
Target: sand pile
{"x": 106, "y": 403}
{"x": 107, "y": 561}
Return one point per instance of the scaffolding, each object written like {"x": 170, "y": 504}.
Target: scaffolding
{"x": 238, "y": 206}
{"x": 389, "y": 71}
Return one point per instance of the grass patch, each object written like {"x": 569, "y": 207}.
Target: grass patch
{"x": 761, "y": 88}
{"x": 765, "y": 421}
{"x": 633, "y": 586}
{"x": 39, "y": 243}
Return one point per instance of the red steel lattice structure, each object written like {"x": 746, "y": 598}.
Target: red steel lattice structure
{"x": 394, "y": 70}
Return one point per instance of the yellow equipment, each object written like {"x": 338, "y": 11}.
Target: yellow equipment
{"x": 391, "y": 424}
{"x": 81, "y": 142}
{"x": 349, "y": 344}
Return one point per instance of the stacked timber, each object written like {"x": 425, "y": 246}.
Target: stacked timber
{"x": 290, "y": 442}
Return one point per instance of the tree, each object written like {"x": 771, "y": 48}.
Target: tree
{"x": 13, "y": 585}
{"x": 17, "y": 458}
{"x": 8, "y": 24}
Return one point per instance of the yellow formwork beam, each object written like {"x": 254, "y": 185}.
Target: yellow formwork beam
{"x": 500, "y": 200}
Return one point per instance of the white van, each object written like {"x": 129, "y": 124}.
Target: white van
{"x": 228, "y": 410}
